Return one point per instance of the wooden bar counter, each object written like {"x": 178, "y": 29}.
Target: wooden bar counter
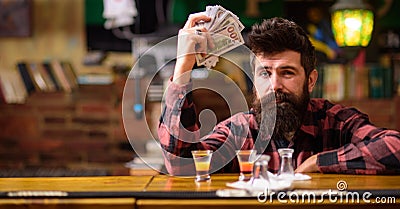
{"x": 162, "y": 191}
{"x": 82, "y": 192}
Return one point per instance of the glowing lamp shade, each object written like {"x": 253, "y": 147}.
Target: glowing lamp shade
{"x": 352, "y": 24}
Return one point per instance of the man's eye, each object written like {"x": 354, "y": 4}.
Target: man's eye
{"x": 264, "y": 74}
{"x": 287, "y": 72}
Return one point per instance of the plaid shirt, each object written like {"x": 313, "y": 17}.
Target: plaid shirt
{"x": 343, "y": 137}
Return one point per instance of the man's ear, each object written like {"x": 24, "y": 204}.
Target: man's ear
{"x": 312, "y": 79}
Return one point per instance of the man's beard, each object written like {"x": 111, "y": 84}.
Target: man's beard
{"x": 289, "y": 110}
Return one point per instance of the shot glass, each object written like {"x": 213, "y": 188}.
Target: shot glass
{"x": 202, "y": 159}
{"x": 246, "y": 160}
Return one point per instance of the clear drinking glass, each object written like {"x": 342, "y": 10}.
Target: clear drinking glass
{"x": 246, "y": 160}
{"x": 202, "y": 160}
{"x": 286, "y": 170}
{"x": 260, "y": 170}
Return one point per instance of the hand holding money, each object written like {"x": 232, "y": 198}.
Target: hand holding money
{"x": 205, "y": 36}
{"x": 190, "y": 43}
{"x": 225, "y": 32}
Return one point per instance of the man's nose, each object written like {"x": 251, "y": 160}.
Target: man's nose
{"x": 276, "y": 82}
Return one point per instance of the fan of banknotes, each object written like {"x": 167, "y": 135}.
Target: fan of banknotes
{"x": 225, "y": 31}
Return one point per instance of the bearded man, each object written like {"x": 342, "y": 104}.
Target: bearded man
{"x": 325, "y": 137}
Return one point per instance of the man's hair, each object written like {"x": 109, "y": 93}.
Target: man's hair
{"x": 276, "y": 35}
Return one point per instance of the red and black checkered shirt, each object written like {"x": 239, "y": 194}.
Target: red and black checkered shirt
{"x": 343, "y": 137}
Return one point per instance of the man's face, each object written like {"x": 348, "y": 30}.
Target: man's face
{"x": 280, "y": 80}
{"x": 281, "y": 72}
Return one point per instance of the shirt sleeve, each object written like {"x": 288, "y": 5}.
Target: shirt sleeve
{"x": 364, "y": 148}
{"x": 178, "y": 104}
{"x": 179, "y": 134}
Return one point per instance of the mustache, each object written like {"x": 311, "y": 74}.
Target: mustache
{"x": 277, "y": 97}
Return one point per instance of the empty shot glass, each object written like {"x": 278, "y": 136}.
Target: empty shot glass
{"x": 202, "y": 160}
{"x": 246, "y": 160}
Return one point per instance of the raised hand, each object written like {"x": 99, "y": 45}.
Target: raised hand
{"x": 192, "y": 39}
